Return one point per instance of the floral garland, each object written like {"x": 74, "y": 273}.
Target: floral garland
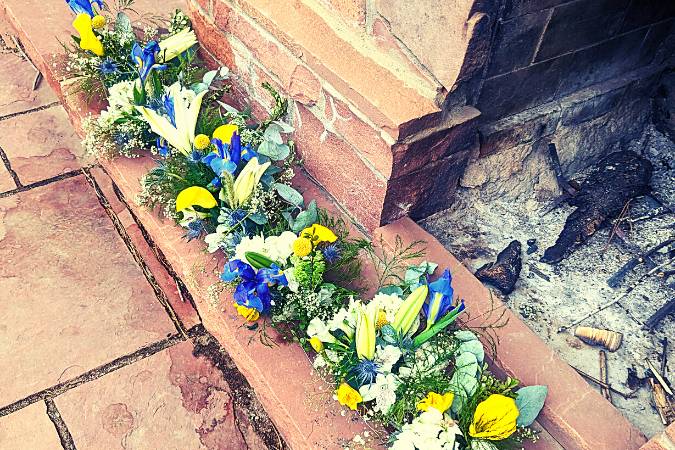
{"x": 400, "y": 358}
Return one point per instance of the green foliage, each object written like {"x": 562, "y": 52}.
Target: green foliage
{"x": 309, "y": 270}
{"x": 390, "y": 264}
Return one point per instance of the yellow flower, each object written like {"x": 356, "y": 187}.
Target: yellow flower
{"x": 316, "y": 344}
{"x": 381, "y": 320}
{"x": 437, "y": 401}
{"x": 365, "y": 335}
{"x": 494, "y": 418}
{"x": 302, "y": 246}
{"x": 348, "y": 396}
{"x": 176, "y": 44}
{"x": 88, "y": 40}
{"x": 195, "y": 195}
{"x": 247, "y": 181}
{"x": 225, "y": 132}
{"x": 202, "y": 141}
{"x": 250, "y": 314}
{"x": 318, "y": 233}
{"x": 98, "y": 22}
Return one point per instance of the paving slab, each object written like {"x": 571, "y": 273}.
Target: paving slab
{"x": 171, "y": 400}
{"x": 41, "y": 144}
{"x": 6, "y": 181}
{"x": 29, "y": 429}
{"x": 16, "y": 84}
{"x": 72, "y": 296}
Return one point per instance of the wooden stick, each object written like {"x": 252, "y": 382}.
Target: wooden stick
{"x": 603, "y": 384}
{"x": 659, "y": 315}
{"x": 603, "y": 375}
{"x": 617, "y": 299}
{"x": 660, "y": 400}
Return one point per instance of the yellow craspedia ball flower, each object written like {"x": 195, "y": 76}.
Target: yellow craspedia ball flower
{"x": 98, "y": 22}
{"x": 302, "y": 247}
{"x": 250, "y": 314}
{"x": 381, "y": 320}
{"x": 316, "y": 344}
{"x": 202, "y": 141}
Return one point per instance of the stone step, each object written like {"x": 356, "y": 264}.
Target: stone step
{"x": 297, "y": 400}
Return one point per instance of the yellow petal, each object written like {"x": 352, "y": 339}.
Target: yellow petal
{"x": 225, "y": 132}
{"x": 436, "y": 401}
{"x": 319, "y": 233}
{"x": 88, "y": 40}
{"x": 495, "y": 418}
{"x": 348, "y": 396}
{"x": 195, "y": 195}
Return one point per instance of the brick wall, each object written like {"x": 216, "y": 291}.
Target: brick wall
{"x": 390, "y": 97}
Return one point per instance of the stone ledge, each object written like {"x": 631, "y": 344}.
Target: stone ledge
{"x": 574, "y": 414}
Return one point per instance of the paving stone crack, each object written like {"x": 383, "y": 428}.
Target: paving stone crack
{"x": 8, "y": 166}
{"x": 149, "y": 276}
{"x": 102, "y": 370}
{"x": 28, "y": 111}
{"x": 61, "y": 429}
{"x": 183, "y": 290}
{"x": 241, "y": 391}
{"x": 41, "y": 183}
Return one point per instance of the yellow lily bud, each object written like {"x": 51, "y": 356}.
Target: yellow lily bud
{"x": 98, "y": 22}
{"x": 365, "y": 336}
{"x": 409, "y": 310}
{"x": 348, "y": 396}
{"x": 250, "y": 314}
{"x": 247, "y": 181}
{"x": 436, "y": 401}
{"x": 495, "y": 418}
{"x": 176, "y": 44}
{"x": 225, "y": 132}
{"x": 195, "y": 195}
{"x": 88, "y": 40}
{"x": 316, "y": 344}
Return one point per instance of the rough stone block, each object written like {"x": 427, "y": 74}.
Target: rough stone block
{"x": 29, "y": 428}
{"x": 353, "y": 11}
{"x": 658, "y": 44}
{"x": 602, "y": 62}
{"x": 646, "y": 12}
{"x": 516, "y": 42}
{"x": 579, "y": 24}
{"x": 576, "y": 111}
{"x": 516, "y": 91}
{"x": 514, "y": 8}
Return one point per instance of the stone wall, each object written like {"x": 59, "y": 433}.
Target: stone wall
{"x": 393, "y": 99}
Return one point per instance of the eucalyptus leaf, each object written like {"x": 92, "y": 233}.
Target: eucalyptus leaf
{"x": 391, "y": 290}
{"x": 274, "y": 151}
{"x": 273, "y": 133}
{"x": 208, "y": 77}
{"x": 306, "y": 218}
{"x": 389, "y": 334}
{"x": 289, "y": 218}
{"x": 465, "y": 335}
{"x": 199, "y": 87}
{"x": 285, "y": 128}
{"x": 258, "y": 218}
{"x": 229, "y": 108}
{"x": 289, "y": 194}
{"x": 474, "y": 347}
{"x": 530, "y": 401}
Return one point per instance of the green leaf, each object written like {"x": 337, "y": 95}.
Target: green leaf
{"x": 530, "y": 400}
{"x": 474, "y": 347}
{"x": 391, "y": 290}
{"x": 209, "y": 77}
{"x": 289, "y": 194}
{"x": 277, "y": 152}
{"x": 258, "y": 218}
{"x": 389, "y": 334}
{"x": 306, "y": 218}
{"x": 273, "y": 133}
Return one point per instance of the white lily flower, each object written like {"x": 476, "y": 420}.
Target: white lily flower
{"x": 186, "y": 111}
{"x": 247, "y": 180}
{"x": 176, "y": 44}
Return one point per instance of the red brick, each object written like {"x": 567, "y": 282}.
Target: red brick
{"x": 209, "y": 37}
{"x": 362, "y": 136}
{"x": 304, "y": 87}
{"x": 341, "y": 171}
{"x": 205, "y": 5}
{"x": 670, "y": 431}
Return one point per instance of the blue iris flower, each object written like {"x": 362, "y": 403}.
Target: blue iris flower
{"x": 216, "y": 183}
{"x": 146, "y": 59}
{"x": 84, "y": 6}
{"x": 247, "y": 152}
{"x": 108, "y": 67}
{"x": 195, "y": 156}
{"x": 170, "y": 110}
{"x": 226, "y": 158}
{"x": 440, "y": 298}
{"x": 162, "y": 147}
{"x": 253, "y": 290}
{"x": 331, "y": 253}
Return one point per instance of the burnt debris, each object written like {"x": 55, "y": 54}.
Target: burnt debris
{"x": 504, "y": 272}
{"x": 618, "y": 178}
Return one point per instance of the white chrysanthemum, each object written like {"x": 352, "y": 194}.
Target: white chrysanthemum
{"x": 279, "y": 248}
{"x": 249, "y": 244}
{"x": 389, "y": 303}
{"x": 386, "y": 357}
{"x": 319, "y": 329}
{"x": 383, "y": 391}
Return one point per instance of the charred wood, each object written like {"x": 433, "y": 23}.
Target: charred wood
{"x": 503, "y": 273}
